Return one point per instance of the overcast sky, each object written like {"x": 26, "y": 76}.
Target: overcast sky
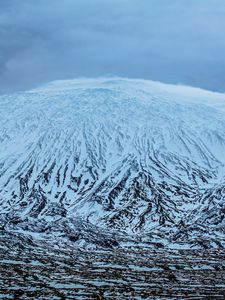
{"x": 176, "y": 41}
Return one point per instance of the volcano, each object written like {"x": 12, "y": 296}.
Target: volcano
{"x": 112, "y": 161}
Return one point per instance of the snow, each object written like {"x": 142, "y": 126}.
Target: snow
{"x": 76, "y": 145}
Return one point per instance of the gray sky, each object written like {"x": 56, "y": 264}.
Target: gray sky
{"x": 176, "y": 41}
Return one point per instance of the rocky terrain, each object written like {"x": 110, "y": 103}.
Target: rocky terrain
{"x": 44, "y": 270}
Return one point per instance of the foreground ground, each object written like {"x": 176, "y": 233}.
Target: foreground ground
{"x": 41, "y": 270}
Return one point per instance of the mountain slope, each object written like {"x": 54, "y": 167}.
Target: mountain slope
{"x": 115, "y": 156}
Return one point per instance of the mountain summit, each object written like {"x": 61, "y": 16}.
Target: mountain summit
{"x": 107, "y": 161}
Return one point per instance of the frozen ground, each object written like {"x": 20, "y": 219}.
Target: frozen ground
{"x": 51, "y": 271}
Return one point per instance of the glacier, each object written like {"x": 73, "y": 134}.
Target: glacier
{"x": 114, "y": 161}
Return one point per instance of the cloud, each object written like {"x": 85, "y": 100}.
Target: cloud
{"x": 175, "y": 41}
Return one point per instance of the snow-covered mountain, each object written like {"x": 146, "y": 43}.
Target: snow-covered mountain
{"x": 128, "y": 159}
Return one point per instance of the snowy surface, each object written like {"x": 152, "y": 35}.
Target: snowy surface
{"x": 133, "y": 155}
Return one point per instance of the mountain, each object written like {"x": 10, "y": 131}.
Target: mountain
{"x": 114, "y": 161}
